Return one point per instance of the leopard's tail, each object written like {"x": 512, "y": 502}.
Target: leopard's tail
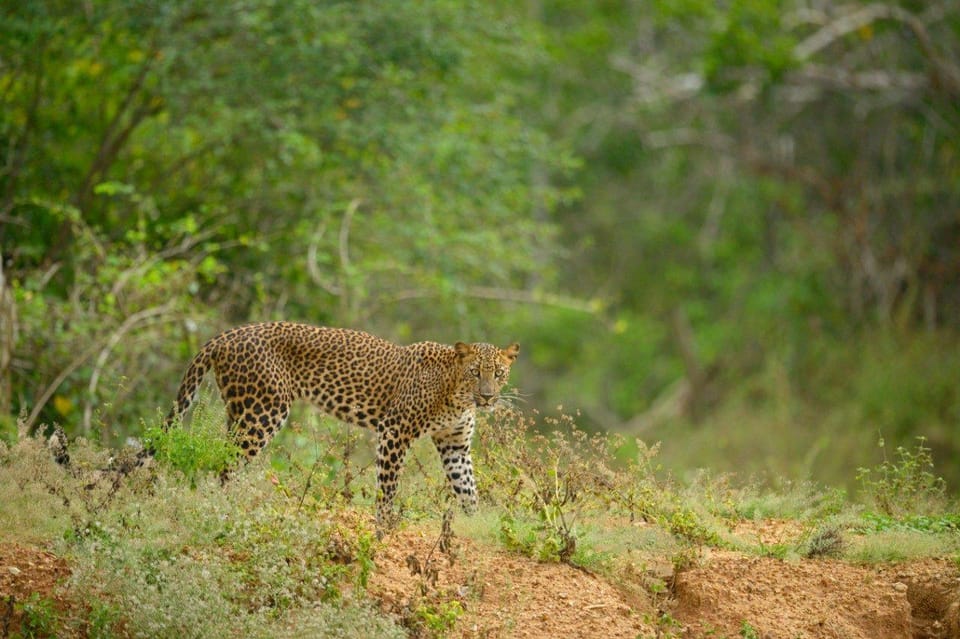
{"x": 189, "y": 385}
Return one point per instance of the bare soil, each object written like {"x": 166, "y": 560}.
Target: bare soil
{"x": 23, "y": 571}
{"x": 504, "y": 595}
{"x": 724, "y": 594}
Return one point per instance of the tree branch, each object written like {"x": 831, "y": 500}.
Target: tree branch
{"x": 55, "y": 384}
{"x": 8, "y": 338}
{"x": 111, "y": 343}
{"x": 16, "y": 156}
{"x": 510, "y": 295}
{"x": 946, "y": 74}
{"x": 345, "y": 234}
{"x": 313, "y": 268}
{"x": 114, "y": 136}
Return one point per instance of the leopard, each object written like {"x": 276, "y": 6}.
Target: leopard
{"x": 399, "y": 392}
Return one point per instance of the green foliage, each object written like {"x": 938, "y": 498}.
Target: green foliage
{"x": 573, "y": 175}
{"x": 543, "y": 482}
{"x": 540, "y": 541}
{"x": 747, "y": 631}
{"x": 750, "y": 34}
{"x": 908, "y": 386}
{"x": 102, "y": 621}
{"x": 785, "y": 241}
{"x": 154, "y": 557}
{"x": 777, "y": 499}
{"x": 943, "y": 523}
{"x": 326, "y": 460}
{"x": 147, "y": 143}
{"x": 899, "y": 545}
{"x": 668, "y": 626}
{"x": 39, "y": 620}
{"x": 266, "y": 555}
{"x": 439, "y": 619}
{"x": 91, "y": 361}
{"x": 349, "y": 621}
{"x": 905, "y": 485}
{"x": 364, "y": 559}
{"x": 203, "y": 448}
{"x": 685, "y": 523}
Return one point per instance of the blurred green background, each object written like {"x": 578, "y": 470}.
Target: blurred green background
{"x": 733, "y": 227}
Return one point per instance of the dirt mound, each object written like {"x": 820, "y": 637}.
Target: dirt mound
{"x": 504, "y": 595}
{"x": 932, "y": 587}
{"x": 732, "y": 593}
{"x": 24, "y": 571}
{"x": 816, "y": 599}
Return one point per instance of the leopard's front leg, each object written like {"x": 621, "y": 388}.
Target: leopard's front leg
{"x": 392, "y": 447}
{"x": 454, "y": 449}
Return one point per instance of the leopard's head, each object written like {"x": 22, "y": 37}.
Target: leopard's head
{"x": 484, "y": 371}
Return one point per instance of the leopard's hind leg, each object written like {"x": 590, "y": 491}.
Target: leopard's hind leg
{"x": 257, "y": 407}
{"x": 254, "y": 424}
{"x": 392, "y": 447}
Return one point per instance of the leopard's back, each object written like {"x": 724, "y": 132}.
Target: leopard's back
{"x": 354, "y": 376}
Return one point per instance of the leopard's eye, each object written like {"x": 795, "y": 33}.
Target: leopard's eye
{"x": 476, "y": 372}
{"x": 499, "y": 373}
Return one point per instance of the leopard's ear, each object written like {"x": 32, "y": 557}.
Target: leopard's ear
{"x": 464, "y": 351}
{"x": 511, "y": 352}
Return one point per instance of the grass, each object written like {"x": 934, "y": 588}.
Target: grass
{"x": 286, "y": 547}
{"x": 893, "y": 546}
{"x": 172, "y": 553}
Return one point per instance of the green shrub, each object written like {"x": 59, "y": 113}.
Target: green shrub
{"x": 543, "y": 483}
{"x": 435, "y": 620}
{"x": 203, "y": 448}
{"x": 102, "y": 620}
{"x": 38, "y": 617}
{"x": 747, "y": 631}
{"x": 905, "y": 485}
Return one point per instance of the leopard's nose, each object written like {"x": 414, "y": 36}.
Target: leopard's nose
{"x": 486, "y": 396}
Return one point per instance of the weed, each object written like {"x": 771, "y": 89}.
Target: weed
{"x": 544, "y": 482}
{"x": 687, "y": 524}
{"x": 636, "y": 489}
{"x": 346, "y": 620}
{"x": 747, "y": 631}
{"x": 428, "y": 567}
{"x": 435, "y": 620}
{"x": 826, "y": 541}
{"x": 39, "y": 618}
{"x": 906, "y": 485}
{"x": 203, "y": 448}
{"x": 874, "y": 522}
{"x": 900, "y": 545}
{"x": 364, "y": 559}
{"x": 684, "y": 559}
{"x": 326, "y": 460}
{"x": 783, "y": 499}
{"x": 668, "y": 627}
{"x": 429, "y": 613}
{"x": 775, "y": 551}
{"x": 101, "y": 621}
{"x": 535, "y": 540}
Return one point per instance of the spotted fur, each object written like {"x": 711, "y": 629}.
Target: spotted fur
{"x": 401, "y": 392}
